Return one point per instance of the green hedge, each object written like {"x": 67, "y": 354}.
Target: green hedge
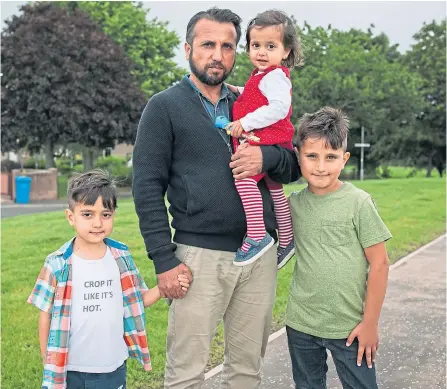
{"x": 117, "y": 166}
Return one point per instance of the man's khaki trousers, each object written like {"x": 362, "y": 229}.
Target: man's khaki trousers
{"x": 242, "y": 297}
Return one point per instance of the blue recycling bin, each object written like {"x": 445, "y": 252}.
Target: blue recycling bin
{"x": 23, "y": 189}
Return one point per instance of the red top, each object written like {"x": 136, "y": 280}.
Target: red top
{"x": 251, "y": 99}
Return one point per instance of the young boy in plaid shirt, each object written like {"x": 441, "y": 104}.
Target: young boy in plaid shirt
{"x": 92, "y": 296}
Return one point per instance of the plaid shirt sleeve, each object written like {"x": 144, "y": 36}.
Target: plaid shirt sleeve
{"x": 143, "y": 286}
{"x": 42, "y": 295}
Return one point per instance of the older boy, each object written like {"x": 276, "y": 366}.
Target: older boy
{"x": 334, "y": 301}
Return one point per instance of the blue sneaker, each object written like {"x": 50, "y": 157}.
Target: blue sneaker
{"x": 256, "y": 250}
{"x": 285, "y": 254}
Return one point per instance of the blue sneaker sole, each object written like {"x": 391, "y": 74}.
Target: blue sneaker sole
{"x": 257, "y": 256}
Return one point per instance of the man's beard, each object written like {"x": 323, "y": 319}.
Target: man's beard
{"x": 204, "y": 77}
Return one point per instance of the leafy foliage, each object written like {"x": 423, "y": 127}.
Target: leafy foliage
{"x": 118, "y": 168}
{"x": 149, "y": 43}
{"x": 428, "y": 58}
{"x": 64, "y": 80}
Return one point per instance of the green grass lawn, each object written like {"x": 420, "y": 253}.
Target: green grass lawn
{"x": 413, "y": 209}
{"x": 62, "y": 182}
{"x": 395, "y": 171}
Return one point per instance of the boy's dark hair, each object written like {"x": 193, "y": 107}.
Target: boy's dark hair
{"x": 217, "y": 15}
{"x": 85, "y": 188}
{"x": 290, "y": 38}
{"x": 328, "y": 123}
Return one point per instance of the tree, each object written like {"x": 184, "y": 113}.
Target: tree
{"x": 64, "y": 80}
{"x": 427, "y": 57}
{"x": 148, "y": 43}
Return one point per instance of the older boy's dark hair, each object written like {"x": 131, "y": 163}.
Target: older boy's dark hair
{"x": 85, "y": 188}
{"x": 328, "y": 123}
{"x": 290, "y": 38}
{"x": 217, "y": 15}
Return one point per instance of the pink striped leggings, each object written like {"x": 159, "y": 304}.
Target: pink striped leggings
{"x": 252, "y": 202}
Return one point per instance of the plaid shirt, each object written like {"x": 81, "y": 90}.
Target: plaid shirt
{"x": 52, "y": 294}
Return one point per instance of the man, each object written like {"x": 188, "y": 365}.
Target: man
{"x": 179, "y": 151}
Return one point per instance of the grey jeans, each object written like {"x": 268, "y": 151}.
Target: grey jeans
{"x": 242, "y": 297}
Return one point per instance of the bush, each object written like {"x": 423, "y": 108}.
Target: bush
{"x": 383, "y": 172}
{"x": 78, "y": 169}
{"x": 115, "y": 165}
{"x": 349, "y": 173}
{"x": 64, "y": 165}
{"x": 412, "y": 173}
{"x": 118, "y": 168}
{"x": 8, "y": 166}
{"x": 31, "y": 163}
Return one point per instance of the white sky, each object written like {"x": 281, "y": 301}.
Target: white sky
{"x": 400, "y": 20}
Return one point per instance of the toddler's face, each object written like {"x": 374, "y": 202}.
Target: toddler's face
{"x": 266, "y": 47}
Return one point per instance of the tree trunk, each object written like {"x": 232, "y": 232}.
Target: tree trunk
{"x": 49, "y": 155}
{"x": 87, "y": 159}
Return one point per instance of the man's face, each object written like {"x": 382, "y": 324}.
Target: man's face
{"x": 212, "y": 54}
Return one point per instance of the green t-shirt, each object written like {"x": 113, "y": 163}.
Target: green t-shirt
{"x": 328, "y": 287}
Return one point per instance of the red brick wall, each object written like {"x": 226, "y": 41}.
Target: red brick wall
{"x": 43, "y": 183}
{"x": 6, "y": 184}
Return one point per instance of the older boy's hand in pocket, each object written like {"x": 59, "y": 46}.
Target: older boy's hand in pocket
{"x": 368, "y": 337}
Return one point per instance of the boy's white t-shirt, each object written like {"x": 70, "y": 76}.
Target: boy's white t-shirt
{"x": 96, "y": 343}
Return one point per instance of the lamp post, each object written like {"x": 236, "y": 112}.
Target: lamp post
{"x": 362, "y": 146}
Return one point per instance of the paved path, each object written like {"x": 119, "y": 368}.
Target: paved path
{"x": 13, "y": 209}
{"x": 412, "y": 354}
{"x": 10, "y": 209}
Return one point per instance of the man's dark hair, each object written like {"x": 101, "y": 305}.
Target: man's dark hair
{"x": 290, "y": 38}
{"x": 217, "y": 15}
{"x": 85, "y": 188}
{"x": 328, "y": 123}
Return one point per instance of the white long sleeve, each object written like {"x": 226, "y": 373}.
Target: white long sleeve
{"x": 275, "y": 86}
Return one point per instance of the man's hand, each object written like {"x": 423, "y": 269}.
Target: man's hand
{"x": 246, "y": 162}
{"x": 169, "y": 283}
{"x": 232, "y": 88}
{"x": 368, "y": 337}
